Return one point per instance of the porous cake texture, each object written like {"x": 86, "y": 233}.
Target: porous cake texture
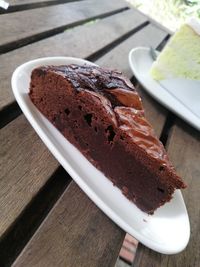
{"x": 99, "y": 111}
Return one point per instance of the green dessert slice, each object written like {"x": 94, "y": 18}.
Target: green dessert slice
{"x": 180, "y": 57}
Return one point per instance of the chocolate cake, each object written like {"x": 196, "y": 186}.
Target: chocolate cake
{"x": 99, "y": 111}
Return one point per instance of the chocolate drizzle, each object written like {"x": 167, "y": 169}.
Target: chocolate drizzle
{"x": 92, "y": 77}
{"x": 121, "y": 101}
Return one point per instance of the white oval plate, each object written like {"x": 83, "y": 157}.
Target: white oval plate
{"x": 182, "y": 96}
{"x": 167, "y": 231}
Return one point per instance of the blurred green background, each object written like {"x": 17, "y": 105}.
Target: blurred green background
{"x": 170, "y": 13}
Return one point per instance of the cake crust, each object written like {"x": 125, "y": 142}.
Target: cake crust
{"x": 99, "y": 111}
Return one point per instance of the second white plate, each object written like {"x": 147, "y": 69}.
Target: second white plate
{"x": 167, "y": 231}
{"x": 182, "y": 96}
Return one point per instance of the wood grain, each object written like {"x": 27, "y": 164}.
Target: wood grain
{"x": 184, "y": 150}
{"x": 95, "y": 36}
{"x": 76, "y": 233}
{"x": 23, "y": 228}
{"x": 25, "y": 165}
{"x": 19, "y": 5}
{"x": 47, "y": 247}
{"x": 18, "y": 133}
{"x": 22, "y": 2}
{"x": 118, "y": 58}
{"x": 28, "y": 23}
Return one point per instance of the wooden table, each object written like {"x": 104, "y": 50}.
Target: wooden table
{"x": 45, "y": 219}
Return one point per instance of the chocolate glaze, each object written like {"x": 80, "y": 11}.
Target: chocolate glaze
{"x": 100, "y": 112}
{"x": 92, "y": 78}
{"x": 135, "y": 125}
{"x": 121, "y": 101}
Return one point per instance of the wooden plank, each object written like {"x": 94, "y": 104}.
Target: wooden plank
{"x": 72, "y": 245}
{"x": 22, "y": 2}
{"x": 184, "y": 150}
{"x": 68, "y": 43}
{"x": 15, "y": 6}
{"x": 20, "y": 5}
{"x": 148, "y": 36}
{"x": 30, "y": 23}
{"x": 26, "y": 165}
{"x": 76, "y": 233}
{"x": 153, "y": 21}
{"x": 17, "y": 236}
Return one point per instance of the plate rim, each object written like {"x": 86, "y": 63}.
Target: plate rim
{"x": 76, "y": 177}
{"x": 173, "y": 109}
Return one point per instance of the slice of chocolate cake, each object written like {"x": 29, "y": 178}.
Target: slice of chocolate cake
{"x": 100, "y": 112}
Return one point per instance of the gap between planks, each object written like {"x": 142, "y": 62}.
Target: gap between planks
{"x": 9, "y": 113}
{"x": 40, "y": 36}
{"x": 22, "y": 7}
{"x": 12, "y": 111}
{"x": 170, "y": 117}
{"x": 14, "y": 240}
{"x": 136, "y": 21}
{"x": 95, "y": 56}
{"x": 184, "y": 149}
